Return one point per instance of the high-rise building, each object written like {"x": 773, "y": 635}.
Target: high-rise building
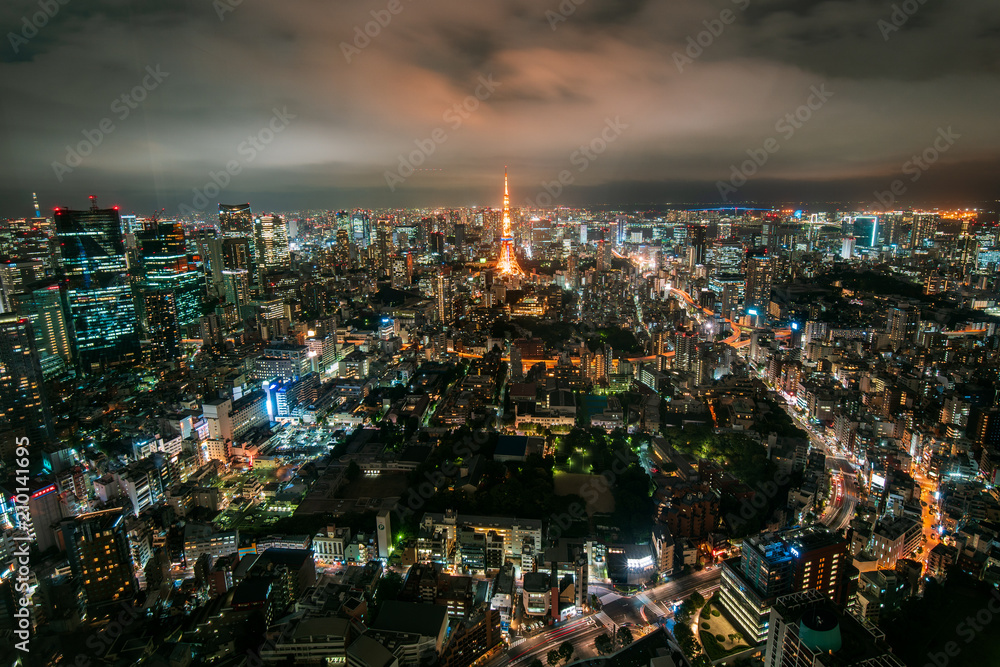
{"x": 902, "y": 326}
{"x": 924, "y": 229}
{"x": 42, "y": 304}
{"x": 344, "y": 247}
{"x": 100, "y": 558}
{"x": 99, "y": 297}
{"x": 384, "y": 532}
{"x": 236, "y": 220}
{"x": 22, "y": 400}
{"x": 727, "y": 257}
{"x": 697, "y": 237}
{"x": 236, "y": 286}
{"x": 776, "y": 564}
{"x": 808, "y": 630}
{"x": 271, "y": 243}
{"x": 209, "y": 249}
{"x": 685, "y": 350}
{"x": 165, "y": 267}
{"x": 730, "y": 292}
{"x": 866, "y": 231}
{"x": 445, "y": 290}
{"x": 236, "y": 254}
{"x": 162, "y": 340}
{"x": 402, "y": 270}
{"x": 760, "y": 278}
{"x": 847, "y": 247}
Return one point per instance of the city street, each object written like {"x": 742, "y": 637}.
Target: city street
{"x": 639, "y": 610}
{"x": 841, "y": 507}
{"x": 581, "y": 632}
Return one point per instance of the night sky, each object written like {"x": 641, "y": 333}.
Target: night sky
{"x": 674, "y": 121}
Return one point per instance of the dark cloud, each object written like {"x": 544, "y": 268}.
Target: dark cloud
{"x": 558, "y": 84}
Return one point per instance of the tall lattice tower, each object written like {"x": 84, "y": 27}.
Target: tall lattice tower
{"x": 507, "y": 262}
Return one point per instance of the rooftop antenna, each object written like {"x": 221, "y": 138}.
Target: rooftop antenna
{"x": 93, "y": 202}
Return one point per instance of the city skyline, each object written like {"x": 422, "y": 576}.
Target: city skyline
{"x": 681, "y": 96}
{"x": 288, "y": 378}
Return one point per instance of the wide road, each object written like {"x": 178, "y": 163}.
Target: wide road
{"x": 641, "y": 609}
{"x": 841, "y": 507}
{"x": 581, "y": 632}
{"x": 649, "y": 605}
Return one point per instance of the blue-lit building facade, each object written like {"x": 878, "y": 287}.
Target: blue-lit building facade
{"x": 98, "y": 291}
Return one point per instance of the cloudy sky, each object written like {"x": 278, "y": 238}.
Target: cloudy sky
{"x": 662, "y": 117}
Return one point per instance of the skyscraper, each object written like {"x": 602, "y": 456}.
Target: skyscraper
{"x": 99, "y": 298}
{"x": 924, "y": 229}
{"x": 685, "y": 350}
{"x": 42, "y": 304}
{"x": 271, "y": 243}
{"x": 100, "y": 558}
{"x": 760, "y": 278}
{"x": 698, "y": 241}
{"x": 165, "y": 266}
{"x": 236, "y": 254}
{"x": 235, "y": 220}
{"x": 162, "y": 330}
{"x": 445, "y": 296}
{"x": 236, "y": 285}
{"x": 866, "y": 231}
{"x": 22, "y": 401}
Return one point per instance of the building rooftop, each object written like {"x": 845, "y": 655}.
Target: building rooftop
{"x": 411, "y": 617}
{"x": 858, "y": 644}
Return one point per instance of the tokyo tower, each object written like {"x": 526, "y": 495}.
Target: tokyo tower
{"x": 507, "y": 262}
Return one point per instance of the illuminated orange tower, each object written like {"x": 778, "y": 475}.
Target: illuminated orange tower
{"x": 507, "y": 263}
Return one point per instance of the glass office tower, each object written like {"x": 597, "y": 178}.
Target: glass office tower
{"x": 98, "y": 295}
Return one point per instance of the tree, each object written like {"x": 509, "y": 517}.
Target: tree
{"x": 566, "y": 651}
{"x": 603, "y": 644}
{"x": 536, "y": 663}
{"x": 389, "y": 587}
{"x": 554, "y": 658}
{"x": 595, "y": 602}
{"x": 624, "y": 636}
{"x": 353, "y": 471}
